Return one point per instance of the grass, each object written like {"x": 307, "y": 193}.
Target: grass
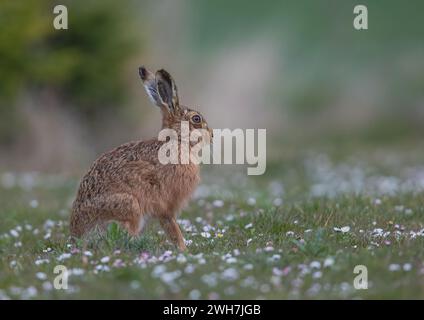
{"x": 273, "y": 237}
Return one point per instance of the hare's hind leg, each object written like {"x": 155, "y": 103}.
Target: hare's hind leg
{"x": 172, "y": 229}
{"x": 125, "y": 209}
{"x": 121, "y": 207}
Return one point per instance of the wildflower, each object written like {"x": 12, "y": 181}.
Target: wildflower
{"x": 230, "y": 274}
{"x": 399, "y": 208}
{"x": 76, "y": 271}
{"x": 408, "y": 212}
{"x": 75, "y": 250}
{"x": 158, "y": 270}
{"x": 47, "y": 286}
{"x": 41, "y": 261}
{"x": 118, "y": 263}
{"x": 205, "y": 234}
{"x": 277, "y": 202}
{"x": 134, "y": 284}
{"x": 394, "y": 267}
{"x": 189, "y": 268}
{"x": 210, "y": 279}
{"x": 286, "y": 270}
{"x": 48, "y": 224}
{"x": 33, "y": 203}
{"x": 64, "y": 256}
{"x": 248, "y": 282}
{"x": 231, "y": 260}
{"x": 328, "y": 262}
{"x": 181, "y": 259}
{"x": 102, "y": 267}
{"x": 377, "y": 202}
{"x": 407, "y": 267}
{"x": 275, "y": 257}
{"x": 251, "y": 201}
{"x": 41, "y": 276}
{"x": 218, "y": 203}
{"x": 213, "y": 296}
{"x": 277, "y": 272}
{"x": 230, "y": 217}
{"x": 30, "y": 292}
{"x": 265, "y": 288}
{"x": 344, "y": 229}
{"x": 170, "y": 276}
{"x": 14, "y": 233}
{"x": 377, "y": 232}
{"x": 194, "y": 294}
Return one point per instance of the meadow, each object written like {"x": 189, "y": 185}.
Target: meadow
{"x": 295, "y": 233}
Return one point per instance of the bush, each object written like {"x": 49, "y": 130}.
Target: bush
{"x": 84, "y": 65}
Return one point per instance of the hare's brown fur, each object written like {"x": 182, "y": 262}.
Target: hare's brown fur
{"x": 128, "y": 184}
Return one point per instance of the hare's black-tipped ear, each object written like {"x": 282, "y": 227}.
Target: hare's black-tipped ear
{"x": 167, "y": 90}
{"x": 149, "y": 83}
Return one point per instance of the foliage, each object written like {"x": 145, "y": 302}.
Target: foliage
{"x": 84, "y": 65}
{"x": 306, "y": 247}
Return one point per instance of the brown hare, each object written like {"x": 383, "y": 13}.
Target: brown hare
{"x": 129, "y": 184}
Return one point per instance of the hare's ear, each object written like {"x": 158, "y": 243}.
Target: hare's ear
{"x": 149, "y": 83}
{"x": 167, "y": 90}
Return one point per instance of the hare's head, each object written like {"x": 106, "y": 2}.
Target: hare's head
{"x": 162, "y": 91}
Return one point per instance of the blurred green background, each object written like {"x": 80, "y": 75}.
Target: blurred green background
{"x": 297, "y": 68}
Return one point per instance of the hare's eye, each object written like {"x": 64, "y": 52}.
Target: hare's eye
{"x": 196, "y": 118}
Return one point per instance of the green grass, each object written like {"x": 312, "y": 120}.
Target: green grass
{"x": 252, "y": 247}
